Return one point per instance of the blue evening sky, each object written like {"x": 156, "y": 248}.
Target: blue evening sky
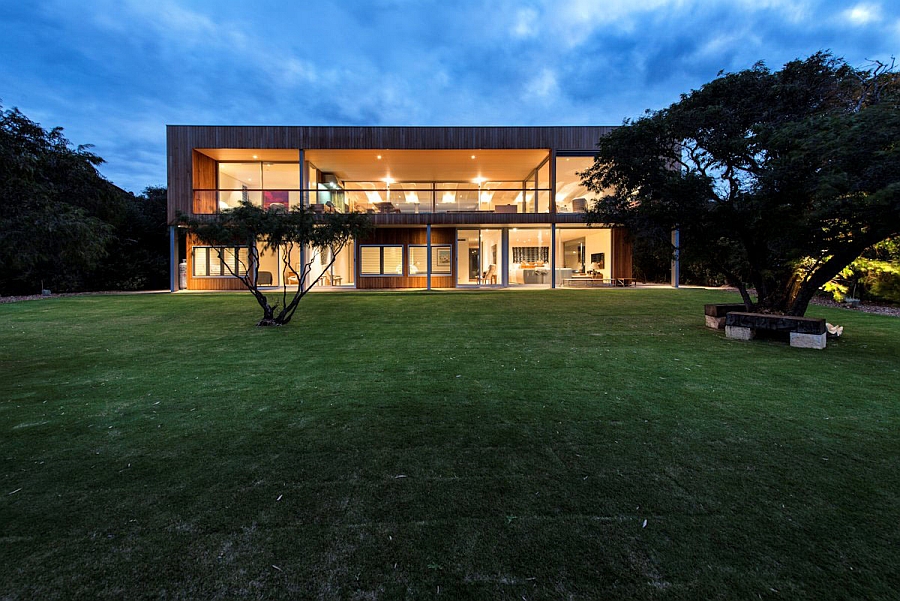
{"x": 113, "y": 73}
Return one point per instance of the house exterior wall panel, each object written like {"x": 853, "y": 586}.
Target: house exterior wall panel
{"x": 405, "y": 237}
{"x": 206, "y": 283}
{"x": 182, "y": 140}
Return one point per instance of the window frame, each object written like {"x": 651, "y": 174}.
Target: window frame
{"x": 434, "y": 248}
{"x": 382, "y": 273}
{"x": 211, "y": 252}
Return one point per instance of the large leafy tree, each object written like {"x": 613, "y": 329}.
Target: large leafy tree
{"x": 54, "y": 207}
{"x": 776, "y": 180}
{"x": 138, "y": 255}
{"x": 274, "y": 228}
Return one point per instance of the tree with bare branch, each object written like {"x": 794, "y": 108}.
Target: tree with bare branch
{"x": 257, "y": 229}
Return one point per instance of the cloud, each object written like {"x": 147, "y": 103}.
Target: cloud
{"x": 862, "y": 14}
{"x": 543, "y": 86}
{"x": 525, "y": 24}
{"x": 113, "y": 73}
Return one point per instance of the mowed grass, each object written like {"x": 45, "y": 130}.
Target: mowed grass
{"x": 569, "y": 444}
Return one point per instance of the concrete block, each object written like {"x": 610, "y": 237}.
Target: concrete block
{"x": 808, "y": 340}
{"x": 739, "y": 333}
{"x": 716, "y": 323}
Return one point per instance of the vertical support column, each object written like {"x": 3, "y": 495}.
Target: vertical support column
{"x": 304, "y": 195}
{"x": 304, "y": 202}
{"x": 504, "y": 257}
{"x": 552, "y": 182}
{"x": 676, "y": 258}
{"x": 302, "y": 282}
{"x": 553, "y": 255}
{"x": 428, "y": 250}
{"x": 173, "y": 260}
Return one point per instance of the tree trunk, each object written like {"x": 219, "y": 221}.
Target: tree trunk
{"x": 268, "y": 316}
{"x": 826, "y": 272}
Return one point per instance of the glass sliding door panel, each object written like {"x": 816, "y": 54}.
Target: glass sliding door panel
{"x": 468, "y": 264}
{"x": 491, "y": 256}
{"x": 529, "y": 257}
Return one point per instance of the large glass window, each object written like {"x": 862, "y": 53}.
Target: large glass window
{"x": 261, "y": 183}
{"x": 214, "y": 261}
{"x": 269, "y": 267}
{"x": 571, "y": 195}
{"x": 441, "y": 260}
{"x": 285, "y": 176}
{"x": 543, "y": 188}
{"x": 529, "y": 256}
{"x": 381, "y": 260}
{"x": 479, "y": 257}
{"x": 582, "y": 253}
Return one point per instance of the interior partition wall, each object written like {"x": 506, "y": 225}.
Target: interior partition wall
{"x": 402, "y": 253}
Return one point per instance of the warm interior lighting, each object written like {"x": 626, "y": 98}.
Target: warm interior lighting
{"x": 473, "y": 156}
{"x": 479, "y": 180}
{"x": 388, "y": 180}
{"x": 255, "y": 156}
{"x": 378, "y": 157}
{"x": 448, "y": 197}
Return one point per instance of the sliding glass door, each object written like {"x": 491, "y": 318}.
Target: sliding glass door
{"x": 479, "y": 257}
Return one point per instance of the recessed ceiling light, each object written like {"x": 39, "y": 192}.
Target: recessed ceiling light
{"x": 255, "y": 157}
{"x": 473, "y": 156}
{"x": 378, "y": 157}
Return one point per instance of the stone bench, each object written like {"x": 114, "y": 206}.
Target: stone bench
{"x": 805, "y": 332}
{"x": 715, "y": 314}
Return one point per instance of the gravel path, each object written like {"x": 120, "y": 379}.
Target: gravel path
{"x": 864, "y": 307}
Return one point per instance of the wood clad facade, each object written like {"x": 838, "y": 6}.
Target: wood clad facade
{"x": 182, "y": 142}
{"x": 621, "y": 253}
{"x": 207, "y": 283}
{"x": 193, "y": 180}
{"x": 204, "y": 176}
{"x": 406, "y": 237}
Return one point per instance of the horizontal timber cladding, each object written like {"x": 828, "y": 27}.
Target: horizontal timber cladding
{"x": 181, "y": 140}
{"x": 206, "y": 283}
{"x": 405, "y": 237}
{"x": 621, "y": 253}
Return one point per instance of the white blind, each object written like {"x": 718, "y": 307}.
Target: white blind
{"x": 370, "y": 260}
{"x": 393, "y": 260}
{"x": 418, "y": 260}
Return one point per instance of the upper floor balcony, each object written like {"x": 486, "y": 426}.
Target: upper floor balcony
{"x": 407, "y": 197}
{"x": 522, "y": 182}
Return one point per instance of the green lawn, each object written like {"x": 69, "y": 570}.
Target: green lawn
{"x": 571, "y": 444}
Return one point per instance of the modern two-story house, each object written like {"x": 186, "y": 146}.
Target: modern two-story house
{"x": 491, "y": 206}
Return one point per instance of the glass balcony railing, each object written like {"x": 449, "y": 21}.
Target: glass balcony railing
{"x": 400, "y": 198}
